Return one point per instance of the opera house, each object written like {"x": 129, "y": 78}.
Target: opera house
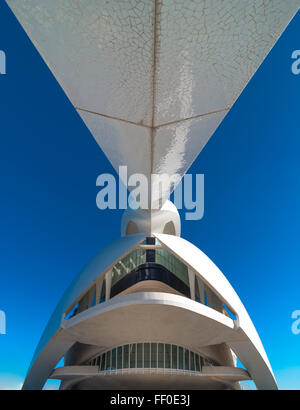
{"x": 152, "y": 80}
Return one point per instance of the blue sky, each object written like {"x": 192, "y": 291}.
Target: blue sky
{"x": 51, "y": 227}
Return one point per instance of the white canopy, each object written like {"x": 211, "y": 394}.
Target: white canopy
{"x": 153, "y": 79}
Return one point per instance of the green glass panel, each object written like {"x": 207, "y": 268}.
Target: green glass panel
{"x": 186, "y": 360}
{"x": 174, "y": 357}
{"x": 126, "y": 265}
{"x": 108, "y": 359}
{"x": 197, "y": 291}
{"x": 102, "y": 365}
{"x": 192, "y": 361}
{"x": 180, "y": 358}
{"x": 174, "y": 265}
{"x": 167, "y": 356}
{"x": 113, "y": 359}
{"x": 125, "y": 357}
{"x": 153, "y": 355}
{"x": 160, "y": 363}
{"x": 132, "y": 355}
{"x": 139, "y": 355}
{"x": 119, "y": 357}
{"x": 146, "y": 355}
{"x": 197, "y": 363}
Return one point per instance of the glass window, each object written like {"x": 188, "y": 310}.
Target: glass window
{"x": 102, "y": 366}
{"x": 125, "y": 357}
{"x": 205, "y": 297}
{"x": 192, "y": 361}
{"x": 228, "y": 312}
{"x": 167, "y": 356}
{"x": 103, "y": 292}
{"x": 198, "y": 368}
{"x": 174, "y": 357}
{"x": 119, "y": 357}
{"x": 126, "y": 265}
{"x": 132, "y": 355}
{"x": 174, "y": 265}
{"x": 73, "y": 312}
{"x": 186, "y": 360}
{"x": 146, "y": 355}
{"x": 113, "y": 359}
{"x": 197, "y": 291}
{"x": 180, "y": 358}
{"x": 153, "y": 355}
{"x": 160, "y": 356}
{"x": 140, "y": 355}
{"x": 108, "y": 360}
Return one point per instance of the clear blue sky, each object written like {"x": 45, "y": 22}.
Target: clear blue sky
{"x": 50, "y": 225}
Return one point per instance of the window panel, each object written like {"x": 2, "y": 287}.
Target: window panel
{"x": 133, "y": 355}
{"x": 180, "y": 358}
{"x": 192, "y": 361}
{"x": 174, "y": 357}
{"x": 146, "y": 355}
{"x": 108, "y": 359}
{"x": 160, "y": 356}
{"x": 186, "y": 360}
{"x": 167, "y": 356}
{"x": 153, "y": 355}
{"x": 139, "y": 355}
{"x": 113, "y": 359}
{"x": 125, "y": 357}
{"x": 119, "y": 357}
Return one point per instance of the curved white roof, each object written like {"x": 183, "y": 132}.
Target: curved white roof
{"x": 157, "y": 75}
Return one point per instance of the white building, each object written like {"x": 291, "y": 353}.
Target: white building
{"x": 152, "y": 80}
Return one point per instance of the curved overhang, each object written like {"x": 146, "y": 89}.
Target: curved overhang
{"x": 152, "y": 378}
{"x": 156, "y": 316}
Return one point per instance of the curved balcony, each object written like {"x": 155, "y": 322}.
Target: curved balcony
{"x": 149, "y": 262}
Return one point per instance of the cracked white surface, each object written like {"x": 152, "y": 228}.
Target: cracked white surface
{"x": 139, "y": 65}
